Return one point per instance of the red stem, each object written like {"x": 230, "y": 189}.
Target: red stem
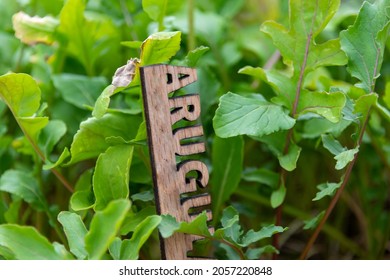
{"x": 336, "y": 198}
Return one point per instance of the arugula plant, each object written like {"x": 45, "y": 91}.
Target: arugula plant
{"x": 295, "y": 148}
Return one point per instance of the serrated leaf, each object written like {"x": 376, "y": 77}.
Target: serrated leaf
{"x": 312, "y": 223}
{"x": 26, "y": 243}
{"x": 238, "y": 115}
{"x": 130, "y": 248}
{"x": 90, "y": 140}
{"x": 168, "y": 226}
{"x": 25, "y": 186}
{"x": 229, "y": 216}
{"x": 79, "y": 90}
{"x": 277, "y": 197}
{"x": 75, "y": 232}
{"x": 253, "y": 236}
{"x": 104, "y": 226}
{"x": 328, "y": 105}
{"x": 307, "y": 20}
{"x": 345, "y": 157}
{"x": 197, "y": 226}
{"x": 111, "y": 177}
{"x": 32, "y": 30}
{"x": 326, "y": 189}
{"x": 364, "y": 43}
{"x": 227, "y": 159}
{"x": 231, "y": 229}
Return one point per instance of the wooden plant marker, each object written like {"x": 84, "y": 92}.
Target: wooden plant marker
{"x": 172, "y": 183}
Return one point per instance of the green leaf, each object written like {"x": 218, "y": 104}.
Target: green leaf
{"x": 277, "y": 197}
{"x": 86, "y": 38}
{"x": 168, "y": 226}
{"x": 342, "y": 154}
{"x": 132, "y": 220}
{"x": 143, "y": 196}
{"x": 262, "y": 176}
{"x": 103, "y": 101}
{"x": 160, "y": 47}
{"x": 328, "y": 105}
{"x": 364, "y": 103}
{"x": 253, "y": 236}
{"x": 314, "y": 128}
{"x": 90, "y": 140}
{"x": 25, "y": 186}
{"x": 231, "y": 229}
{"x": 332, "y": 145}
{"x": 238, "y": 115}
{"x": 227, "y": 160}
{"x": 345, "y": 157}
{"x": 111, "y": 177}
{"x": 50, "y": 135}
{"x": 193, "y": 56}
{"x": 79, "y": 90}
{"x": 158, "y": 9}
{"x": 307, "y": 20}
{"x": 280, "y": 83}
{"x": 75, "y": 232}
{"x": 22, "y": 95}
{"x": 326, "y": 189}
{"x": 130, "y": 248}
{"x": 32, "y": 30}
{"x": 26, "y": 243}
{"x": 115, "y": 248}
{"x": 364, "y": 43}
{"x": 312, "y": 223}
{"x": 104, "y": 226}
{"x": 256, "y": 253}
{"x": 198, "y": 226}
{"x": 82, "y": 200}
{"x": 289, "y": 160}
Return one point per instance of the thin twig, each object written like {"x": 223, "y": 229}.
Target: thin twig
{"x": 336, "y": 198}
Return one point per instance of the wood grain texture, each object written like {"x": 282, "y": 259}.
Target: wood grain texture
{"x": 175, "y": 182}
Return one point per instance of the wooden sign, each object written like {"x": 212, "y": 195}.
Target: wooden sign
{"x": 171, "y": 135}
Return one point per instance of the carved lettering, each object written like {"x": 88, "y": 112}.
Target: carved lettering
{"x": 177, "y": 185}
